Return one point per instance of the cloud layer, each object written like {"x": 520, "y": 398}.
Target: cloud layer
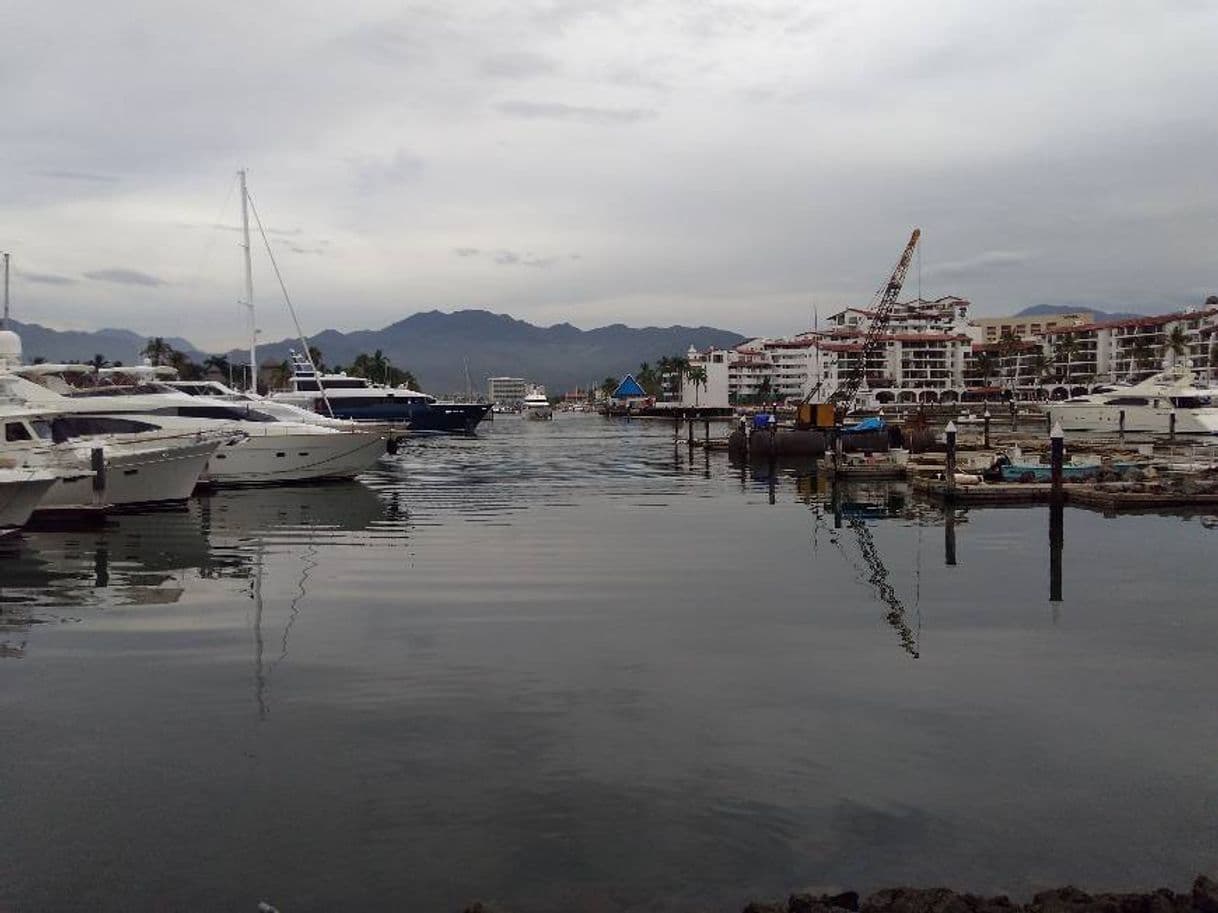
{"x": 727, "y": 163}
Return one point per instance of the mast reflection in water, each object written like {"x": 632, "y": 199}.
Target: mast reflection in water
{"x": 646, "y": 679}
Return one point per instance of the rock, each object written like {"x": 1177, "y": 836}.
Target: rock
{"x": 914, "y": 900}
{"x": 825, "y": 903}
{"x": 1205, "y": 895}
{"x": 765, "y": 908}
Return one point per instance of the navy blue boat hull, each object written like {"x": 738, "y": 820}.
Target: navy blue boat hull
{"x": 448, "y": 418}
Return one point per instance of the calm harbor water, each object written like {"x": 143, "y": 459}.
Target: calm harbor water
{"x": 567, "y": 666}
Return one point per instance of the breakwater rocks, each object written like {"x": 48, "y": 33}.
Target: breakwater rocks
{"x": 1203, "y": 898}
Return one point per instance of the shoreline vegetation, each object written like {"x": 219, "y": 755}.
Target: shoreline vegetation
{"x": 1203, "y": 898}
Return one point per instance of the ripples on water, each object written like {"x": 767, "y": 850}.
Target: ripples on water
{"x": 570, "y": 666}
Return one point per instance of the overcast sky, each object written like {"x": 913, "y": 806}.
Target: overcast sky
{"x": 601, "y": 161}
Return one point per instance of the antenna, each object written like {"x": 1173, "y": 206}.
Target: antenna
{"x": 4, "y": 325}
{"x": 249, "y": 282}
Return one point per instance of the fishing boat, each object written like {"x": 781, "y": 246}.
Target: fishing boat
{"x": 536, "y": 405}
{"x": 1169, "y": 401}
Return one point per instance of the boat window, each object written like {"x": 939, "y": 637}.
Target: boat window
{"x": 309, "y": 386}
{"x": 225, "y": 413}
{"x": 42, "y": 428}
{"x": 67, "y": 427}
{"x": 352, "y": 383}
{"x": 16, "y": 431}
{"x": 1128, "y": 401}
{"x": 1190, "y": 402}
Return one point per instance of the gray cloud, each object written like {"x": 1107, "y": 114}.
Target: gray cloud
{"x": 989, "y": 260}
{"x": 533, "y": 110}
{"x": 767, "y": 180}
{"x": 45, "y": 278}
{"x": 125, "y": 277}
{"x": 517, "y": 65}
{"x": 77, "y": 176}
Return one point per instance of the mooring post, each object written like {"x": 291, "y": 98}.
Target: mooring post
{"x": 744, "y": 431}
{"x": 97, "y": 462}
{"x": 707, "y": 430}
{"x": 949, "y": 473}
{"x": 986, "y": 426}
{"x": 1057, "y": 450}
{"x": 1014, "y": 416}
{"x": 949, "y": 536}
{"x": 691, "y": 432}
{"x": 1121, "y": 425}
{"x": 1057, "y": 539}
{"x": 1171, "y": 425}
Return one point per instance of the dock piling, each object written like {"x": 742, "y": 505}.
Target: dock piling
{"x": 1057, "y": 449}
{"x": 949, "y": 536}
{"x": 691, "y": 432}
{"x": 1057, "y": 539}
{"x": 949, "y": 473}
{"x": 986, "y": 426}
{"x": 1121, "y": 426}
{"x": 1014, "y": 416}
{"x": 1171, "y": 425}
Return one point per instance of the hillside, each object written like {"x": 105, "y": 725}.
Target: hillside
{"x": 1044, "y": 310}
{"x": 81, "y": 345}
{"x": 435, "y": 346}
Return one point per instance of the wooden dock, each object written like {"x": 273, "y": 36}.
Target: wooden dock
{"x": 1109, "y": 500}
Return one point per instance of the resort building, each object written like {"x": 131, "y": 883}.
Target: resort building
{"x": 506, "y": 390}
{"x": 930, "y": 352}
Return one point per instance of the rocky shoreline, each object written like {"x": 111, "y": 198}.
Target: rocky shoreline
{"x": 1203, "y": 898}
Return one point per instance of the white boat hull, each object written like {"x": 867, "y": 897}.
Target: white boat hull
{"x": 1138, "y": 419}
{"x": 281, "y": 458}
{"x": 150, "y": 475}
{"x": 21, "y": 491}
{"x": 538, "y": 413}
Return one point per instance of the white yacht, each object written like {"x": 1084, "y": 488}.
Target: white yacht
{"x": 108, "y": 463}
{"x": 21, "y": 490}
{"x": 1146, "y": 406}
{"x": 536, "y": 405}
{"x": 260, "y": 449}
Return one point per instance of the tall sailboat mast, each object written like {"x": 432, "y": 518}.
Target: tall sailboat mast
{"x": 249, "y": 282}
{"x": 4, "y": 324}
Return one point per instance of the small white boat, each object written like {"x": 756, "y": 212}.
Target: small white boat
{"x": 21, "y": 491}
{"x": 536, "y": 405}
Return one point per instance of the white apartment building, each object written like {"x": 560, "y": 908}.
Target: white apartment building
{"x": 506, "y": 390}
{"x": 923, "y": 354}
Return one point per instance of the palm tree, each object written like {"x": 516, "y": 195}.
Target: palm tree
{"x": 1177, "y": 343}
{"x": 1067, "y": 347}
{"x": 696, "y": 376}
{"x": 157, "y": 351}
{"x": 98, "y": 362}
{"x": 608, "y": 385}
{"x": 1038, "y": 364}
{"x": 218, "y": 363}
{"x": 1143, "y": 355}
{"x": 315, "y": 357}
{"x": 986, "y": 364}
{"x": 280, "y": 375}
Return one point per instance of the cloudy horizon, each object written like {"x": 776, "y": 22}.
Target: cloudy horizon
{"x": 713, "y": 163}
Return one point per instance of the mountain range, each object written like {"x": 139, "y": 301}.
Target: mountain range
{"x": 436, "y": 347}
{"x": 1047, "y": 310}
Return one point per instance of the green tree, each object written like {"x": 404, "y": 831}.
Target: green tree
{"x": 608, "y": 385}
{"x": 1142, "y": 354}
{"x": 696, "y": 376}
{"x": 315, "y": 357}
{"x": 218, "y": 363}
{"x": 99, "y": 361}
{"x": 157, "y": 351}
{"x": 1064, "y": 351}
{"x": 986, "y": 364}
{"x": 1177, "y": 343}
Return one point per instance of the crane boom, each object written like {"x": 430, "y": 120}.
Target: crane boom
{"x": 848, "y": 387}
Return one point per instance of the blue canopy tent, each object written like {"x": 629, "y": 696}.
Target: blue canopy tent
{"x": 629, "y": 389}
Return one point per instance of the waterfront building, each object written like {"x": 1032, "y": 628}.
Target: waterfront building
{"x": 1024, "y": 326}
{"x": 507, "y": 391}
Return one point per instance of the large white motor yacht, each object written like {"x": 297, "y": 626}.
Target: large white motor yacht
{"x": 536, "y": 405}
{"x": 21, "y": 490}
{"x": 1146, "y": 406}
{"x": 262, "y": 449}
{"x": 110, "y": 463}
